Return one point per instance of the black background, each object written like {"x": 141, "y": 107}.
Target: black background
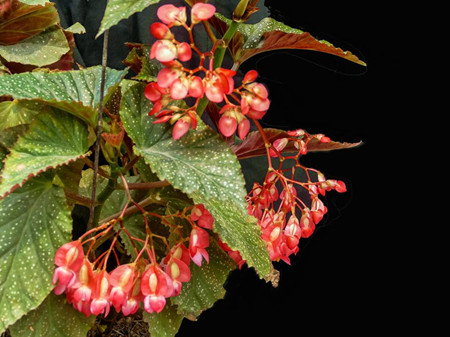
{"x": 345, "y": 279}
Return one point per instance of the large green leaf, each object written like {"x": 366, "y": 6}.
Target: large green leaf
{"x": 75, "y": 91}
{"x": 163, "y": 324}
{"x": 199, "y": 162}
{"x": 269, "y": 34}
{"x": 34, "y": 223}
{"x": 206, "y": 284}
{"x": 53, "y": 139}
{"x": 27, "y": 20}
{"x": 17, "y": 112}
{"x": 117, "y": 10}
{"x": 55, "y": 318}
{"x": 201, "y": 165}
{"x": 45, "y": 48}
{"x": 240, "y": 232}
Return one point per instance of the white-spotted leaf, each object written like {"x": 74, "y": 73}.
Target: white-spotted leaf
{"x": 240, "y": 232}
{"x": 54, "y": 317}
{"x": 74, "y": 91}
{"x": 198, "y": 162}
{"x": 34, "y": 222}
{"x": 206, "y": 284}
{"x": 42, "y": 49}
{"x": 164, "y": 324}
{"x": 117, "y": 10}
{"x": 53, "y": 139}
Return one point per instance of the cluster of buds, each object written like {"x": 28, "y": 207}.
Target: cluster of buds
{"x": 91, "y": 289}
{"x": 283, "y": 213}
{"x": 176, "y": 82}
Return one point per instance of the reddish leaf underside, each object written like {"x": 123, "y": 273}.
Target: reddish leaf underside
{"x": 253, "y": 145}
{"x": 280, "y": 40}
{"x": 25, "y": 21}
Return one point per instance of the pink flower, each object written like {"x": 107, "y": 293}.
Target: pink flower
{"x": 243, "y": 128}
{"x": 179, "y": 272}
{"x": 318, "y": 210}
{"x": 307, "y": 225}
{"x": 227, "y": 125}
{"x": 100, "y": 298}
{"x": 181, "y": 127}
{"x": 200, "y": 214}
{"x": 256, "y": 98}
{"x": 135, "y": 296}
{"x": 219, "y": 83}
{"x": 171, "y": 15}
{"x": 69, "y": 259}
{"x": 184, "y": 51}
{"x": 156, "y": 286}
{"x": 196, "y": 87}
{"x": 279, "y": 144}
{"x": 161, "y": 31}
{"x": 198, "y": 241}
{"x": 201, "y": 11}
{"x": 121, "y": 280}
{"x": 292, "y": 232}
{"x": 163, "y": 51}
{"x": 250, "y": 76}
{"x": 83, "y": 289}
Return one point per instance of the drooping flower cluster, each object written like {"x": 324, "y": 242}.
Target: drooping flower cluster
{"x": 91, "y": 289}
{"x": 176, "y": 82}
{"x": 283, "y": 211}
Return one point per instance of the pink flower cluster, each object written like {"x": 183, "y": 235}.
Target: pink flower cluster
{"x": 283, "y": 216}
{"x": 93, "y": 290}
{"x": 175, "y": 82}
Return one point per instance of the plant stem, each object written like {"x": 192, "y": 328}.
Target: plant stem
{"x": 93, "y": 209}
{"x": 219, "y": 54}
{"x": 222, "y": 47}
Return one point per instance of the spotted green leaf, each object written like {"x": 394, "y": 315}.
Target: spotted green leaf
{"x": 117, "y": 10}
{"x": 53, "y": 139}
{"x": 240, "y": 232}
{"x": 75, "y": 91}
{"x": 164, "y": 324}
{"x": 42, "y": 49}
{"x": 199, "y": 162}
{"x": 17, "y": 112}
{"x": 206, "y": 284}
{"x": 34, "y": 223}
{"x": 54, "y": 317}
{"x": 201, "y": 165}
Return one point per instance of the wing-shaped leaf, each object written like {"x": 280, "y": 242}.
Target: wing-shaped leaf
{"x": 34, "y": 223}
{"x": 117, "y": 10}
{"x": 269, "y": 34}
{"x": 253, "y": 144}
{"x": 39, "y": 50}
{"x": 206, "y": 284}
{"x": 199, "y": 162}
{"x": 54, "y": 317}
{"x": 53, "y": 139}
{"x": 27, "y": 20}
{"x": 75, "y": 91}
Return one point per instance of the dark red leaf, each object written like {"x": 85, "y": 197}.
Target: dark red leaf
{"x": 24, "y": 21}
{"x": 253, "y": 145}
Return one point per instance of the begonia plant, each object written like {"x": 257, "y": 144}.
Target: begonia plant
{"x": 121, "y": 190}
